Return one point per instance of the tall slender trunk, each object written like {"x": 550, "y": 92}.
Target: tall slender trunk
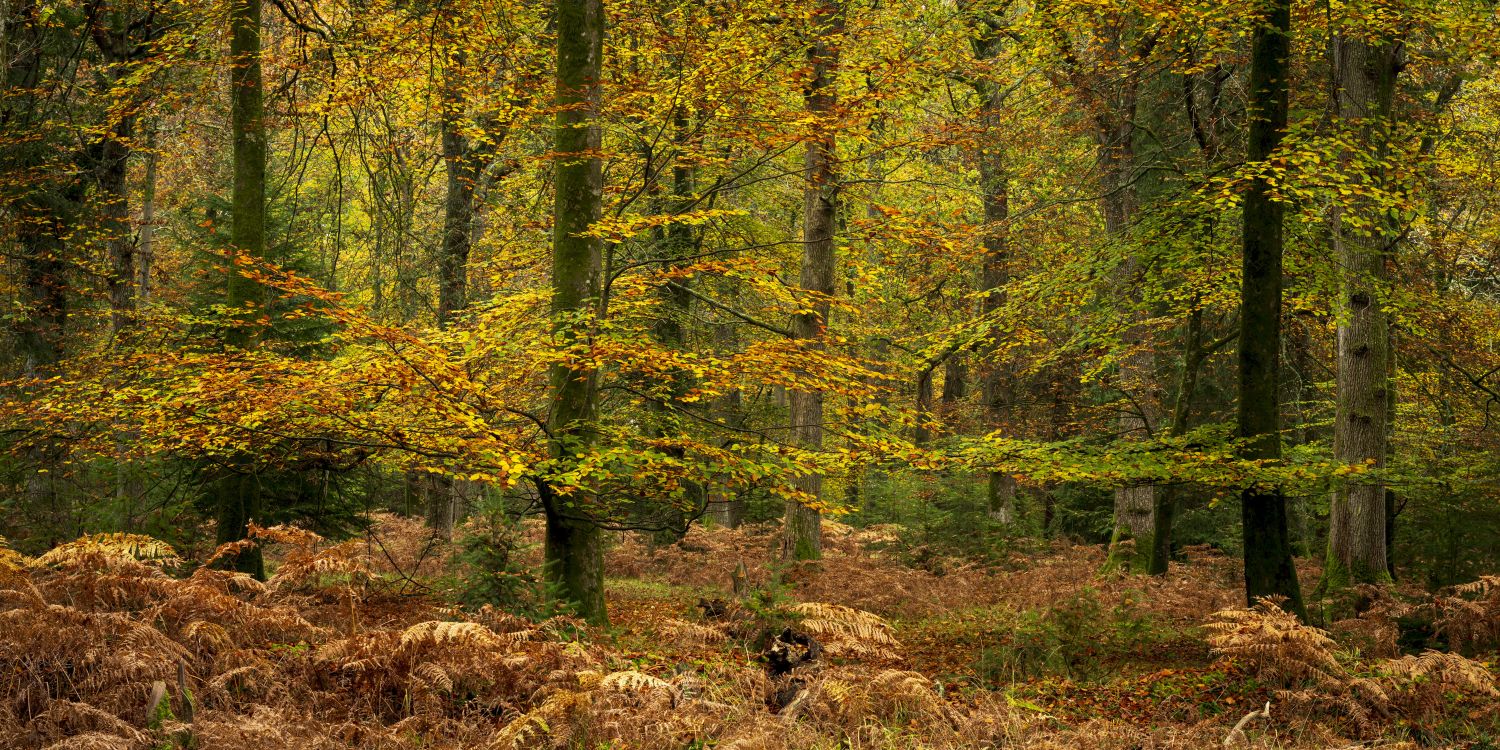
{"x": 458, "y": 204}
{"x": 802, "y": 534}
{"x": 1115, "y": 139}
{"x": 237, "y": 492}
{"x": 146, "y": 249}
{"x": 574, "y": 548}
{"x": 998, "y": 386}
{"x": 41, "y": 213}
{"x": 1392, "y": 507}
{"x": 674, "y": 244}
{"x": 1166, "y": 499}
{"x": 440, "y": 496}
{"x": 1134, "y": 506}
{"x": 723, "y": 508}
{"x": 113, "y": 169}
{"x": 1362, "y": 235}
{"x": 1269, "y": 569}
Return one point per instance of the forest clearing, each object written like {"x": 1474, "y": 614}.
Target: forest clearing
{"x": 828, "y": 374}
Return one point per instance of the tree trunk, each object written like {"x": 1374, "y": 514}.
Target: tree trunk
{"x": 146, "y": 250}
{"x": 724, "y": 508}
{"x": 41, "y": 216}
{"x": 955, "y": 381}
{"x": 113, "y": 169}
{"x": 1269, "y": 569}
{"x": 802, "y": 534}
{"x": 453, "y": 261}
{"x": 237, "y": 494}
{"x": 237, "y": 502}
{"x": 1366, "y": 74}
{"x": 1166, "y": 500}
{"x": 922, "y": 433}
{"x": 1392, "y": 508}
{"x": 674, "y": 245}
{"x": 997, "y": 385}
{"x": 1134, "y": 505}
{"x": 458, "y": 203}
{"x": 574, "y": 549}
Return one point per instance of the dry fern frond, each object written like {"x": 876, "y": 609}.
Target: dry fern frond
{"x": 555, "y": 721}
{"x": 1434, "y": 674}
{"x": 283, "y": 534}
{"x": 850, "y": 699}
{"x": 693, "y": 632}
{"x": 1470, "y": 616}
{"x": 442, "y": 633}
{"x": 116, "y": 545}
{"x": 632, "y": 681}
{"x": 640, "y": 685}
{"x": 1413, "y": 689}
{"x": 72, "y": 717}
{"x": 303, "y": 566}
{"x": 94, "y": 741}
{"x": 845, "y": 631}
{"x": 1275, "y": 644}
{"x": 11, "y": 561}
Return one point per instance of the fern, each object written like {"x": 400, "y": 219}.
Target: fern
{"x": 116, "y": 545}
{"x": 450, "y": 634}
{"x": 1276, "y": 645}
{"x": 11, "y": 561}
{"x": 845, "y": 631}
{"x": 1470, "y": 616}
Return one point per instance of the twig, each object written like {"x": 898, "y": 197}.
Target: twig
{"x": 1238, "y": 733}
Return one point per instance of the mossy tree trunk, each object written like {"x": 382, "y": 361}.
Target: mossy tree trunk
{"x": 236, "y": 493}
{"x": 574, "y": 548}
{"x": 462, "y": 173}
{"x": 675, "y": 244}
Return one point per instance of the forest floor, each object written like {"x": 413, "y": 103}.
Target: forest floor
{"x": 353, "y": 646}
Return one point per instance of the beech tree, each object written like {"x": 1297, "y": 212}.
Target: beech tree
{"x": 574, "y": 542}
{"x": 803, "y": 535}
{"x": 1365, "y": 66}
{"x": 1269, "y": 569}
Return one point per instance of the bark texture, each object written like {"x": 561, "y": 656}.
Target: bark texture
{"x": 236, "y": 493}
{"x": 573, "y": 550}
{"x": 802, "y": 534}
{"x": 1269, "y": 569}
{"x": 1362, "y": 236}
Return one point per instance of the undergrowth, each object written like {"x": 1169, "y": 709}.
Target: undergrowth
{"x": 114, "y": 642}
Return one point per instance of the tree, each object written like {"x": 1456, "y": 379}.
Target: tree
{"x": 994, "y": 191}
{"x": 1363, "y": 234}
{"x": 237, "y": 492}
{"x": 574, "y": 549}
{"x": 1269, "y": 570}
{"x": 802, "y": 534}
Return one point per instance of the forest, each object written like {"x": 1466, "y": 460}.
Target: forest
{"x": 749, "y": 374}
